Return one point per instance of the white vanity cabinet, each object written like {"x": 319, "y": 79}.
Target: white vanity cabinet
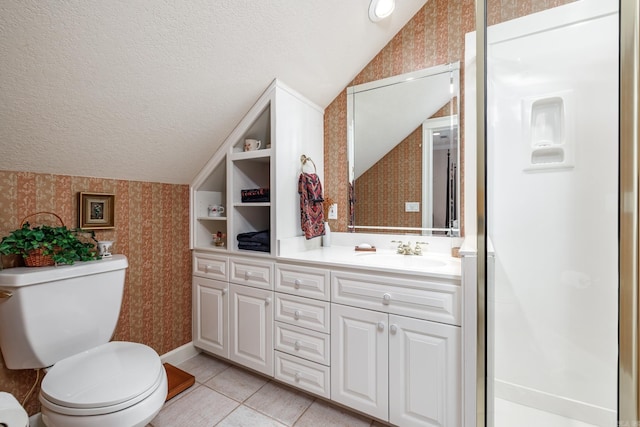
{"x": 210, "y": 323}
{"x": 302, "y": 326}
{"x": 359, "y": 357}
{"x": 395, "y": 368}
{"x": 211, "y": 315}
{"x": 251, "y": 327}
{"x": 424, "y": 373}
{"x": 439, "y": 300}
{"x": 251, "y": 301}
{"x": 386, "y": 359}
{"x": 233, "y": 303}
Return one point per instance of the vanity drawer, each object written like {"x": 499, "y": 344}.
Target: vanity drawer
{"x": 303, "y": 374}
{"x": 422, "y": 299}
{"x": 310, "y": 345}
{"x": 210, "y": 266}
{"x": 304, "y": 312}
{"x": 303, "y": 281}
{"x": 245, "y": 271}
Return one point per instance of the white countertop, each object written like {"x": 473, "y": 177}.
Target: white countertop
{"x": 388, "y": 261}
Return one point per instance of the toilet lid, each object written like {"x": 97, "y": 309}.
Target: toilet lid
{"x": 103, "y": 376}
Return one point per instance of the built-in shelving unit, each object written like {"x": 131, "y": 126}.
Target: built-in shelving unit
{"x": 212, "y": 191}
{"x": 251, "y": 170}
{"x": 287, "y": 126}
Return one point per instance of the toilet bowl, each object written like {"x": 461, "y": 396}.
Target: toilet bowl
{"x": 63, "y": 317}
{"x": 115, "y": 384}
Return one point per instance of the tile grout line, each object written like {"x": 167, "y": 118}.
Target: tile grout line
{"x": 305, "y": 411}
{"x": 267, "y": 415}
{"x": 242, "y": 403}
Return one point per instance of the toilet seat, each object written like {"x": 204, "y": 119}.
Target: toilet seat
{"x": 105, "y": 379}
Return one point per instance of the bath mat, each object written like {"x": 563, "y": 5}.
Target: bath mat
{"x": 179, "y": 380}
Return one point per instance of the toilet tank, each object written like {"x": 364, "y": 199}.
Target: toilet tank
{"x": 50, "y": 313}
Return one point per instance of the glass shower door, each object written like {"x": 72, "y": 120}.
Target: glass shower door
{"x": 552, "y": 215}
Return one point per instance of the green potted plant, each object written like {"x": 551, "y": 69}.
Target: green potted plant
{"x": 46, "y": 245}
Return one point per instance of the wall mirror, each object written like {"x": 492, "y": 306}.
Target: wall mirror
{"x": 404, "y": 153}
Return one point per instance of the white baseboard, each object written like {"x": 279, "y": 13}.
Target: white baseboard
{"x": 180, "y": 354}
{"x": 555, "y": 404}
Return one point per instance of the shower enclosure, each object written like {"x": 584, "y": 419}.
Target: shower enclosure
{"x": 550, "y": 269}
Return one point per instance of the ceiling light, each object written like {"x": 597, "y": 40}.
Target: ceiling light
{"x": 380, "y": 9}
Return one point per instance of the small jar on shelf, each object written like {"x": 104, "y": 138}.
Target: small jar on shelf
{"x": 218, "y": 239}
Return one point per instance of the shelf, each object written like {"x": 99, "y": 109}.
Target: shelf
{"x": 256, "y": 253}
{"x": 211, "y": 248}
{"x": 248, "y": 204}
{"x": 259, "y": 127}
{"x": 256, "y": 155}
{"x": 212, "y": 218}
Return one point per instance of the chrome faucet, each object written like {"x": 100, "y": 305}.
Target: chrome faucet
{"x": 405, "y": 248}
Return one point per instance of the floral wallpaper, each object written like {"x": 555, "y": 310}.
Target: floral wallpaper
{"x": 384, "y": 204}
{"x": 151, "y": 229}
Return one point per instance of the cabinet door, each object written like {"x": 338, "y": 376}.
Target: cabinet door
{"x": 251, "y": 314}
{"x": 424, "y": 373}
{"x": 359, "y": 359}
{"x": 211, "y": 315}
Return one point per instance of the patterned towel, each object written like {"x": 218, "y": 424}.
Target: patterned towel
{"x": 311, "y": 212}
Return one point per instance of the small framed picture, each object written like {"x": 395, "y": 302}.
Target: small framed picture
{"x": 96, "y": 211}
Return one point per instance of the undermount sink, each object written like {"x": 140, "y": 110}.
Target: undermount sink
{"x": 399, "y": 260}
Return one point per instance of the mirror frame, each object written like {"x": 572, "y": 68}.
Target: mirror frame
{"x": 428, "y": 125}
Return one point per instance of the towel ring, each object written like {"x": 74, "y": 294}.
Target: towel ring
{"x": 304, "y": 159}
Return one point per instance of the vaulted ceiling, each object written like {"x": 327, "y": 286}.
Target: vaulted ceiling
{"x": 148, "y": 89}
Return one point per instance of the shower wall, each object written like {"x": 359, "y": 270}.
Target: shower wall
{"x": 552, "y": 209}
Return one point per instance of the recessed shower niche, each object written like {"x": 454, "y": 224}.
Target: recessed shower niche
{"x": 547, "y": 133}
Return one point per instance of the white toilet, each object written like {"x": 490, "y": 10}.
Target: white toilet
{"x": 64, "y": 317}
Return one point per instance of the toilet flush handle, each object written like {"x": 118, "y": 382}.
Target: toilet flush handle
{"x": 5, "y": 294}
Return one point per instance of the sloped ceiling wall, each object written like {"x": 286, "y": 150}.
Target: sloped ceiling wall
{"x": 148, "y": 90}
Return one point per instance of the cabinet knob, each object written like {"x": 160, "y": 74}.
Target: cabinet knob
{"x": 381, "y": 326}
{"x": 267, "y": 300}
{"x": 296, "y": 345}
{"x": 393, "y": 329}
{"x": 206, "y": 268}
{"x": 297, "y": 283}
{"x": 247, "y": 275}
{"x": 297, "y": 314}
{"x": 386, "y": 299}
{"x": 224, "y": 291}
{"x": 298, "y": 376}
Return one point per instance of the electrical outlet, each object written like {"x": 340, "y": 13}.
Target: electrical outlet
{"x": 412, "y": 206}
{"x": 333, "y": 211}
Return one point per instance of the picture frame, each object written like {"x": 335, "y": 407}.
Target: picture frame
{"x": 96, "y": 211}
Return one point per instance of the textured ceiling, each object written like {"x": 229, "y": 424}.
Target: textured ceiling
{"x": 148, "y": 90}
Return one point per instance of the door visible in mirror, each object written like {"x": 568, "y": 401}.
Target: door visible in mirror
{"x": 403, "y": 152}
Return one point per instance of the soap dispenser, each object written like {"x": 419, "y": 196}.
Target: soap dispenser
{"x": 326, "y": 237}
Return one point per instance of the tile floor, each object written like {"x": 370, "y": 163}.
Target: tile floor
{"x": 225, "y": 395}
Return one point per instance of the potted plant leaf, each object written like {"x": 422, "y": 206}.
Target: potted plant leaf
{"x": 48, "y": 245}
